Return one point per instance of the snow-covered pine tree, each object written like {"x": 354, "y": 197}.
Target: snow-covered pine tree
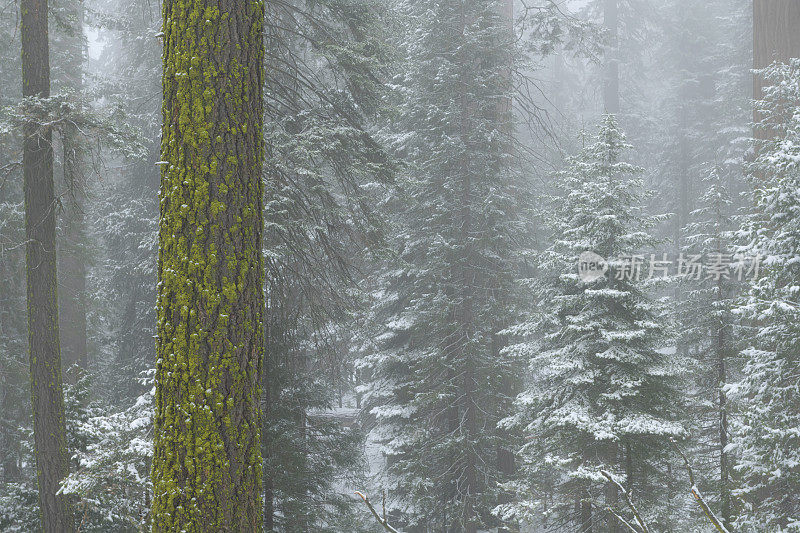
{"x": 324, "y": 62}
{"x": 708, "y": 333}
{"x": 601, "y": 393}
{"x": 766, "y": 440}
{"x": 113, "y": 450}
{"x": 438, "y": 384}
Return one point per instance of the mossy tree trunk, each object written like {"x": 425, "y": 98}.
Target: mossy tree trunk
{"x": 207, "y": 460}
{"x": 49, "y": 429}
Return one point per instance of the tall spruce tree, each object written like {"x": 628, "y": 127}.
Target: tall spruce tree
{"x": 438, "y": 384}
{"x": 207, "y": 457}
{"x": 765, "y": 438}
{"x": 322, "y": 94}
{"x": 709, "y": 333}
{"x": 601, "y": 393}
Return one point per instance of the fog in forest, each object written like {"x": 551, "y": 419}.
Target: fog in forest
{"x": 419, "y": 266}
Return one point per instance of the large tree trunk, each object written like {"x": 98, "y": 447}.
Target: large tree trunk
{"x": 207, "y": 460}
{"x": 611, "y": 74}
{"x": 49, "y": 429}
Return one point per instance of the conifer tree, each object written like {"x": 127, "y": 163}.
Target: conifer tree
{"x": 322, "y": 96}
{"x": 601, "y": 393}
{"x": 207, "y": 458}
{"x": 438, "y": 384}
{"x": 709, "y": 331}
{"x": 768, "y": 394}
{"x": 14, "y": 407}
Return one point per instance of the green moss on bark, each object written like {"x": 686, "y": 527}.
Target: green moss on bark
{"x": 207, "y": 464}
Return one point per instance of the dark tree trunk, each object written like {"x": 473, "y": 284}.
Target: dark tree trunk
{"x": 611, "y": 74}
{"x": 612, "y": 492}
{"x": 585, "y": 507}
{"x": 207, "y": 459}
{"x": 9, "y": 443}
{"x": 72, "y": 264}
{"x": 72, "y": 294}
{"x": 268, "y": 393}
{"x": 49, "y": 429}
{"x": 505, "y": 455}
{"x": 724, "y": 467}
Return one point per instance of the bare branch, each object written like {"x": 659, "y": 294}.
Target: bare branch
{"x": 636, "y": 515}
{"x": 622, "y": 520}
{"x": 696, "y": 493}
{"x": 381, "y": 521}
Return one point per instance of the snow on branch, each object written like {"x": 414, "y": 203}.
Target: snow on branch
{"x": 627, "y": 496}
{"x": 697, "y": 495}
{"x": 381, "y": 521}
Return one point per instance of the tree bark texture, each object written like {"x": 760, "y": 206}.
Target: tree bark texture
{"x": 207, "y": 461}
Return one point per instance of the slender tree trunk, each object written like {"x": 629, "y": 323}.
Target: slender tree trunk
{"x": 628, "y": 468}
{"x": 127, "y": 344}
{"x": 724, "y": 473}
{"x": 585, "y": 506}
{"x": 73, "y": 292}
{"x": 611, "y": 75}
{"x": 72, "y": 265}
{"x": 11, "y": 452}
{"x": 683, "y": 174}
{"x": 464, "y": 313}
{"x": 612, "y": 493}
{"x": 466, "y": 327}
{"x": 207, "y": 458}
{"x": 10, "y": 444}
{"x": 267, "y": 399}
{"x": 49, "y": 429}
